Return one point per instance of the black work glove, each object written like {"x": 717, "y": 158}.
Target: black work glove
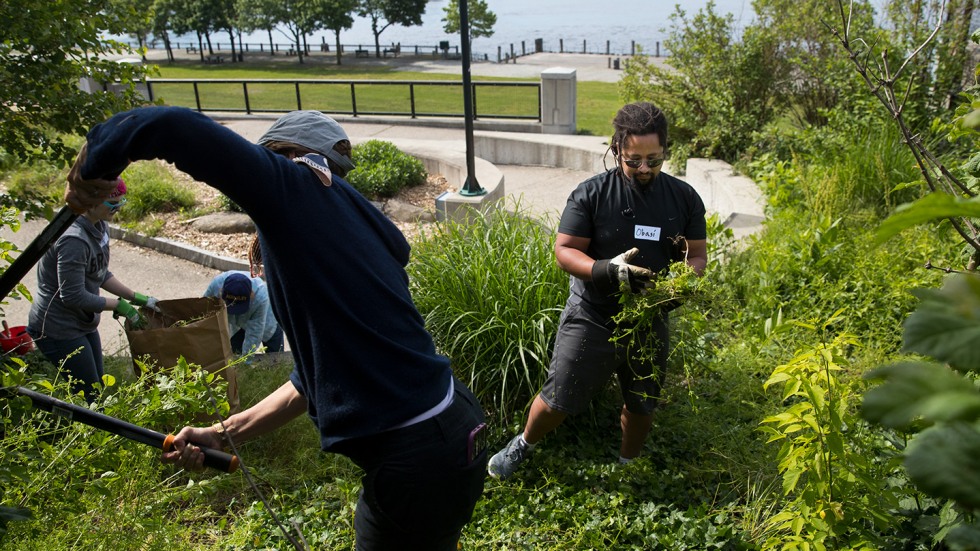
{"x": 610, "y": 275}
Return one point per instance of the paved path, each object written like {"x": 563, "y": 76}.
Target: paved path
{"x": 142, "y": 269}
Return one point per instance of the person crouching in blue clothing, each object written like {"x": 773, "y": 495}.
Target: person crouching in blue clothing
{"x": 366, "y": 371}
{"x": 250, "y": 318}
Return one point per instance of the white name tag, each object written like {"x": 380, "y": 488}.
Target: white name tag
{"x": 649, "y": 233}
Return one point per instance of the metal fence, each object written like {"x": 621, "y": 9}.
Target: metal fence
{"x": 411, "y": 98}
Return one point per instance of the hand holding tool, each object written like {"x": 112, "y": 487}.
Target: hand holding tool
{"x": 215, "y": 459}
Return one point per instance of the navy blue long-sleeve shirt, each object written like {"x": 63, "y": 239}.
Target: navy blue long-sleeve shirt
{"x": 334, "y": 266}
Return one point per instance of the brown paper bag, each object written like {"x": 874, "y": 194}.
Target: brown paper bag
{"x": 195, "y": 328}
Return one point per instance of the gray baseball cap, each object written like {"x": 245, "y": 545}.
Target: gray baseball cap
{"x": 310, "y": 129}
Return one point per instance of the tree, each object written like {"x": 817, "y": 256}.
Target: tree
{"x": 385, "y": 13}
{"x": 814, "y": 76}
{"x": 260, "y": 15}
{"x": 162, "y": 11}
{"x": 337, "y": 15}
{"x": 45, "y": 48}
{"x": 481, "y": 19}
{"x": 717, "y": 91}
{"x": 137, "y": 20}
{"x": 938, "y": 78}
{"x": 933, "y": 396}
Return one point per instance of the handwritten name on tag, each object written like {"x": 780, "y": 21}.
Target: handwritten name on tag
{"x": 648, "y": 233}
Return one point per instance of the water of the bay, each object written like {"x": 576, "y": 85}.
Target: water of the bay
{"x": 622, "y": 23}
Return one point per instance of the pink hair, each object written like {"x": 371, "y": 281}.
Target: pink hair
{"x": 120, "y": 189}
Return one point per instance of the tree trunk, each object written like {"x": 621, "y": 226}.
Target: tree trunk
{"x": 231, "y": 35}
{"x": 336, "y": 33}
{"x": 168, "y": 47}
{"x": 272, "y": 45}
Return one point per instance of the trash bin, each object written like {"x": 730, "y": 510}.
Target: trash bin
{"x": 538, "y": 45}
{"x": 616, "y": 64}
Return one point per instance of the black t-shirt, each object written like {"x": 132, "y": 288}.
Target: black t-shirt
{"x": 618, "y": 216}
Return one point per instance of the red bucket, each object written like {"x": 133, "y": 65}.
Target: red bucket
{"x": 16, "y": 340}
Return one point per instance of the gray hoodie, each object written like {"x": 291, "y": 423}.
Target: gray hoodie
{"x": 67, "y": 304}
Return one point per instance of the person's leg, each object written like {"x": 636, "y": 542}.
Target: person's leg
{"x": 541, "y": 420}
{"x": 641, "y": 380}
{"x": 79, "y": 358}
{"x": 635, "y": 431}
{"x": 419, "y": 488}
{"x": 275, "y": 343}
{"x": 237, "y": 341}
{"x": 581, "y": 364}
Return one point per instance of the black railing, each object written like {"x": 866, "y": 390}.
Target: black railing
{"x": 411, "y": 98}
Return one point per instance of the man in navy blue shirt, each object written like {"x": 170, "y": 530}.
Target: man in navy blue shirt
{"x": 366, "y": 370}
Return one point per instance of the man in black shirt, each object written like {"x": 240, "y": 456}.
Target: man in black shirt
{"x": 618, "y": 230}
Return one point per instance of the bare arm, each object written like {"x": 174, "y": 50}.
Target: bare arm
{"x": 697, "y": 255}
{"x": 274, "y": 411}
{"x": 571, "y": 257}
{"x": 119, "y": 289}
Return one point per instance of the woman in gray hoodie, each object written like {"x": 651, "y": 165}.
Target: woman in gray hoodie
{"x": 67, "y": 308}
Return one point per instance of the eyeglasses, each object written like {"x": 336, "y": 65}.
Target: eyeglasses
{"x": 637, "y": 163}
{"x": 113, "y": 207}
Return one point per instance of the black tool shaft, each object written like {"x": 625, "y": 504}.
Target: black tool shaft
{"x": 35, "y": 250}
{"x": 215, "y": 459}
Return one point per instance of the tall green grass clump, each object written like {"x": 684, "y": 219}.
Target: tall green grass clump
{"x": 383, "y": 170}
{"x": 151, "y": 188}
{"x": 491, "y": 294}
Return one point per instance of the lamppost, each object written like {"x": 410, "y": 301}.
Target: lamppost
{"x": 470, "y": 187}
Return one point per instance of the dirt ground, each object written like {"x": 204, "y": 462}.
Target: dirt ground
{"x": 235, "y": 245}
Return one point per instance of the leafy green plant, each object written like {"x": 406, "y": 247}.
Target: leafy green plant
{"x": 45, "y": 460}
{"x": 833, "y": 491}
{"x": 491, "y": 294}
{"x": 938, "y": 401}
{"x": 383, "y": 170}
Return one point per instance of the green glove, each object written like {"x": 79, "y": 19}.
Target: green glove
{"x": 139, "y": 299}
{"x": 127, "y": 311}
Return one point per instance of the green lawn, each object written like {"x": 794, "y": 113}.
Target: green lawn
{"x": 597, "y": 101}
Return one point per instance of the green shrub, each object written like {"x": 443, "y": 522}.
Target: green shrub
{"x": 151, "y": 188}
{"x": 382, "y": 170}
{"x": 491, "y": 294}
{"x": 44, "y": 181}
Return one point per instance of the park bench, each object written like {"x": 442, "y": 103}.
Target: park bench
{"x": 394, "y": 50}
{"x": 214, "y": 59}
{"x": 361, "y": 53}
{"x": 192, "y": 49}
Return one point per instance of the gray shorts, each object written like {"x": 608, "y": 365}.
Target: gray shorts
{"x": 584, "y": 359}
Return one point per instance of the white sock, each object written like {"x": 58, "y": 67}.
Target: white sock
{"x": 623, "y": 460}
{"x": 527, "y": 444}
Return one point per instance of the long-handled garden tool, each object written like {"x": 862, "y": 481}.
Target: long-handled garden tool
{"x": 215, "y": 459}
{"x": 9, "y": 279}
{"x": 35, "y": 250}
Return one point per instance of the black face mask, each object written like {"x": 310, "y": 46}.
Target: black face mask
{"x": 343, "y": 162}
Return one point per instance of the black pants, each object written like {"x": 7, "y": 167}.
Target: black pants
{"x": 418, "y": 488}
